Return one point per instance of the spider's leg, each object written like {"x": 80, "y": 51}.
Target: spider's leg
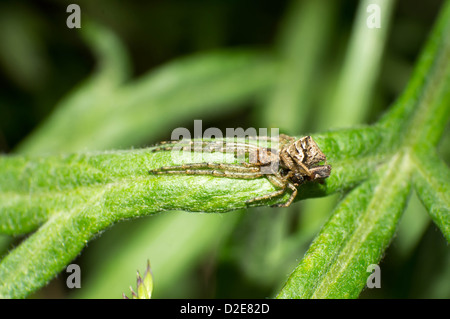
{"x": 284, "y": 137}
{"x": 264, "y": 138}
{"x": 241, "y": 151}
{"x": 170, "y": 145}
{"x": 194, "y": 145}
{"x": 267, "y": 196}
{"x": 281, "y": 137}
{"x": 202, "y": 146}
{"x": 205, "y": 147}
{"x": 220, "y": 166}
{"x": 281, "y": 182}
{"x": 228, "y": 174}
{"x": 248, "y": 155}
{"x": 291, "y": 199}
{"x": 305, "y": 169}
{"x": 320, "y": 172}
{"x": 277, "y": 181}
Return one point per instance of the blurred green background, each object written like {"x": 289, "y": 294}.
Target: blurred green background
{"x": 137, "y": 70}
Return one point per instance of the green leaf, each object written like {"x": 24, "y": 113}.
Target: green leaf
{"x": 431, "y": 181}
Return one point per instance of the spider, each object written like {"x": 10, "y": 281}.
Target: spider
{"x": 298, "y": 162}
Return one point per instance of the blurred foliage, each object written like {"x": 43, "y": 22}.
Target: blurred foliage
{"x": 46, "y": 66}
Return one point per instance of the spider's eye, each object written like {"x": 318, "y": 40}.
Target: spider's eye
{"x": 298, "y": 178}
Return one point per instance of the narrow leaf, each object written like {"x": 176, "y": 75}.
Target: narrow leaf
{"x": 432, "y": 182}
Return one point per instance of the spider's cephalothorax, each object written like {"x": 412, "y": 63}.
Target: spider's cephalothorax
{"x": 298, "y": 162}
{"x": 301, "y": 158}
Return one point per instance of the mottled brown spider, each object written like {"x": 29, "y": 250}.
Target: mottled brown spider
{"x": 293, "y": 163}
